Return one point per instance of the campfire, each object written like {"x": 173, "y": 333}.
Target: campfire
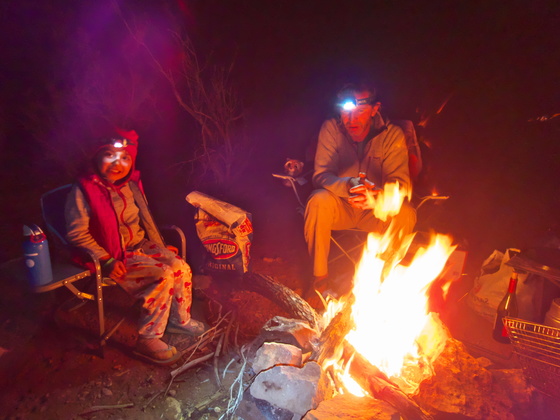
{"x": 392, "y": 326}
{"x": 393, "y": 329}
{"x": 380, "y": 341}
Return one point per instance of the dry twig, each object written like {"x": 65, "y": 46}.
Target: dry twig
{"x": 96, "y": 408}
{"x": 228, "y": 329}
{"x": 237, "y": 389}
{"x": 216, "y": 358}
{"x": 187, "y": 366}
{"x": 153, "y": 398}
{"x": 201, "y": 342}
{"x": 214, "y": 397}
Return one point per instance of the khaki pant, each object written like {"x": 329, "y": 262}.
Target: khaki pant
{"x": 326, "y": 212}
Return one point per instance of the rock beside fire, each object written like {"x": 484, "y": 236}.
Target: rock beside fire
{"x": 253, "y": 409}
{"x": 350, "y": 407}
{"x": 461, "y": 385}
{"x": 292, "y": 388}
{"x": 288, "y": 331}
{"x": 271, "y": 354}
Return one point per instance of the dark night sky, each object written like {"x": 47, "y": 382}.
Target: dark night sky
{"x": 499, "y": 60}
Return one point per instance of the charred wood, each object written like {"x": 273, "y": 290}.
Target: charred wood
{"x": 379, "y": 386}
{"x": 332, "y": 337}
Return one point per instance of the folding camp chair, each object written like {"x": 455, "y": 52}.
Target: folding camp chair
{"x": 335, "y": 239}
{"x": 66, "y": 273}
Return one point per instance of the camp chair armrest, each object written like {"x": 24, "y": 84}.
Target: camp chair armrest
{"x": 292, "y": 182}
{"x": 430, "y": 198}
{"x": 179, "y": 234}
{"x": 91, "y": 256}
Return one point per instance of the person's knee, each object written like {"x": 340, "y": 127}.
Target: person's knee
{"x": 164, "y": 274}
{"x": 320, "y": 200}
{"x": 180, "y": 266}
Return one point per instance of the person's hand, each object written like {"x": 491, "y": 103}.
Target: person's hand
{"x": 363, "y": 201}
{"x": 115, "y": 269}
{"x": 362, "y": 196}
{"x": 173, "y": 249}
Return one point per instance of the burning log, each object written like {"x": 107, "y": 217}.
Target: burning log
{"x": 378, "y": 385}
{"x": 333, "y": 336}
{"x": 368, "y": 376}
{"x": 283, "y": 296}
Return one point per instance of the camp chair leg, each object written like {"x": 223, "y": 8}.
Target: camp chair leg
{"x": 100, "y": 311}
{"x": 112, "y": 331}
{"x": 343, "y": 251}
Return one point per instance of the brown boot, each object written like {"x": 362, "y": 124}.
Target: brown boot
{"x": 320, "y": 283}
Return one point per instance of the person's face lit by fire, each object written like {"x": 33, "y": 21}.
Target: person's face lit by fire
{"x": 114, "y": 164}
{"x": 357, "y": 121}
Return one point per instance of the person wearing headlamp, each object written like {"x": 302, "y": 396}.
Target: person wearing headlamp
{"x": 107, "y": 213}
{"x": 359, "y": 150}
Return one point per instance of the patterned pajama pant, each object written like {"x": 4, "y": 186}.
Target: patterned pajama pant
{"x": 163, "y": 281}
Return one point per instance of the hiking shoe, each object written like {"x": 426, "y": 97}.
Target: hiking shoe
{"x": 191, "y": 327}
{"x": 318, "y": 284}
{"x": 156, "y": 351}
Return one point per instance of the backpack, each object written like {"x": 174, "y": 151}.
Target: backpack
{"x": 414, "y": 154}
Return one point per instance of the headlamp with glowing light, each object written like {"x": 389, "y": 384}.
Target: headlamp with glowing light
{"x": 118, "y": 143}
{"x": 350, "y": 103}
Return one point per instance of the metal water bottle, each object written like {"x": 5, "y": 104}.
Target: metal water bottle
{"x": 36, "y": 256}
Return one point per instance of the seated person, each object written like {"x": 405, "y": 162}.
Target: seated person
{"x": 107, "y": 213}
{"x": 358, "y": 141}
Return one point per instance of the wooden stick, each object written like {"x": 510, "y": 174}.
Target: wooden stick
{"x": 235, "y": 341}
{"x": 284, "y": 297}
{"x": 380, "y": 386}
{"x": 155, "y": 396}
{"x": 95, "y": 408}
{"x": 201, "y": 342}
{"x": 216, "y": 396}
{"x": 333, "y": 336}
{"x": 192, "y": 363}
{"x": 216, "y": 358}
{"x": 228, "y": 330}
{"x": 196, "y": 346}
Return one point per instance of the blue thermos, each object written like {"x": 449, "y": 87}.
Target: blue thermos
{"x": 36, "y": 256}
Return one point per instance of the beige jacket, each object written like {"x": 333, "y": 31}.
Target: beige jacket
{"x": 385, "y": 157}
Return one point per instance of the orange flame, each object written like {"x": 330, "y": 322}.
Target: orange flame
{"x": 388, "y": 202}
{"x": 394, "y": 330}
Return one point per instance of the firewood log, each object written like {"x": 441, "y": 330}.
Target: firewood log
{"x": 380, "y": 386}
{"x": 332, "y": 337}
{"x": 281, "y": 295}
{"x": 369, "y": 377}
